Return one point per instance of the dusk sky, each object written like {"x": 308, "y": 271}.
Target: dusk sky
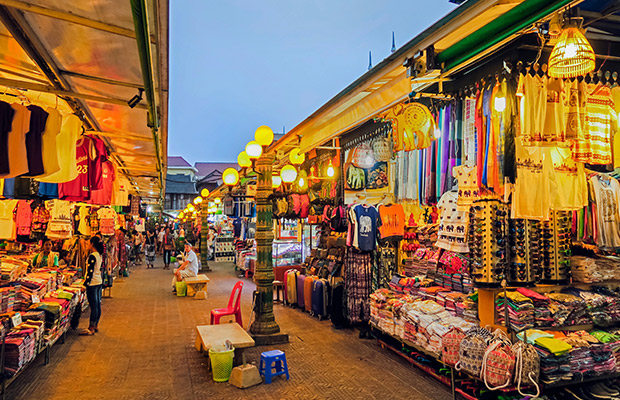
{"x": 238, "y": 64}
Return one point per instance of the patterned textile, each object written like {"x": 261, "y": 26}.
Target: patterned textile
{"x": 358, "y": 283}
{"x": 594, "y": 146}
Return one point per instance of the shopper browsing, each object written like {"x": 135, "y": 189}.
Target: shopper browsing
{"x": 93, "y": 284}
{"x": 65, "y": 258}
{"x": 46, "y": 257}
{"x": 168, "y": 247}
{"x": 149, "y": 251}
{"x": 188, "y": 268}
{"x": 160, "y": 240}
{"x": 138, "y": 241}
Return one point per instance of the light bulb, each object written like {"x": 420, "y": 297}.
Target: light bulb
{"x": 570, "y": 50}
{"x": 204, "y": 192}
{"x": 330, "y": 170}
{"x": 302, "y": 182}
{"x": 276, "y": 181}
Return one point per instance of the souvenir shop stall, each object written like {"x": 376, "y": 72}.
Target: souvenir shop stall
{"x": 477, "y": 233}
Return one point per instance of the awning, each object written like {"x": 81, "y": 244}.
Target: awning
{"x": 83, "y": 57}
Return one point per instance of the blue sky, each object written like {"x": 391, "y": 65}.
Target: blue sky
{"x": 239, "y": 64}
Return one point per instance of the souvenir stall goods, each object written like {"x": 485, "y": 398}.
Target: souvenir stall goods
{"x": 488, "y": 226}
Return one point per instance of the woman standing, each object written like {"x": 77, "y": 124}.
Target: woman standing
{"x": 151, "y": 240}
{"x": 46, "y": 258}
{"x": 93, "y": 285}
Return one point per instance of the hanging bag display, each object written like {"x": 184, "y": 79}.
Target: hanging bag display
{"x": 527, "y": 367}
{"x": 498, "y": 362}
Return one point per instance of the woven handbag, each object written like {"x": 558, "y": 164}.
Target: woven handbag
{"x": 472, "y": 349}
{"x": 498, "y": 362}
{"x": 527, "y": 367}
{"x": 450, "y": 345}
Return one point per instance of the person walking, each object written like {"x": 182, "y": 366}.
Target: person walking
{"x": 93, "y": 282}
{"x": 138, "y": 241}
{"x": 160, "y": 240}
{"x": 149, "y": 251}
{"x": 168, "y": 247}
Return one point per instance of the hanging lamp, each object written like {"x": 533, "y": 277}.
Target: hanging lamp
{"x": 572, "y": 54}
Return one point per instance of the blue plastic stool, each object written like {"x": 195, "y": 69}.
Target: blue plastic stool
{"x": 270, "y": 360}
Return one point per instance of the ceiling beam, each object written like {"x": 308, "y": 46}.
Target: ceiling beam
{"x": 16, "y": 84}
{"x": 99, "y": 79}
{"x": 70, "y": 17}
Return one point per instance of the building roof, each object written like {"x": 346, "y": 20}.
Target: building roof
{"x": 180, "y": 184}
{"x": 177, "y": 161}
{"x": 208, "y": 168}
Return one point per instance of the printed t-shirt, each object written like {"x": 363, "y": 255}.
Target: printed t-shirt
{"x": 84, "y": 225}
{"x": 569, "y": 187}
{"x": 468, "y": 186}
{"x": 18, "y": 162}
{"x": 23, "y": 217}
{"x": 469, "y": 131}
{"x": 65, "y": 144}
{"x": 532, "y": 198}
{"x": 391, "y": 221}
{"x": 453, "y": 224}
{"x": 606, "y": 193}
{"x": 6, "y": 120}
{"x": 555, "y": 123}
{"x": 48, "y": 143}
{"x": 120, "y": 195}
{"x": 79, "y": 188}
{"x": 366, "y": 218}
{"x": 594, "y": 146}
{"x": 34, "y": 140}
{"x": 98, "y": 157}
{"x": 25, "y": 188}
{"x": 59, "y": 226}
{"x": 533, "y": 92}
{"x": 7, "y": 219}
{"x": 575, "y": 109}
{"x": 107, "y": 219}
{"x": 103, "y": 196}
{"x": 40, "y": 219}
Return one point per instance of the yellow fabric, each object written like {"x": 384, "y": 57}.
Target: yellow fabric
{"x": 1, "y": 187}
{"x": 569, "y": 187}
{"x": 48, "y": 146}
{"x": 532, "y": 197}
{"x": 413, "y": 126}
{"x": 7, "y": 219}
{"x": 595, "y": 145}
{"x": 533, "y": 93}
{"x": 556, "y": 346}
{"x": 615, "y": 94}
{"x": 65, "y": 142}
{"x": 18, "y": 162}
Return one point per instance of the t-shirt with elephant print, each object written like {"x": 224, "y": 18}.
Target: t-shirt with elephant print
{"x": 467, "y": 186}
{"x": 452, "y": 233}
{"x": 366, "y": 217}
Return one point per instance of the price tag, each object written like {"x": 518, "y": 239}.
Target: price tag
{"x": 16, "y": 319}
{"x": 35, "y": 298}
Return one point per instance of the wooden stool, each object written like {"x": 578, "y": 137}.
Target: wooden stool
{"x": 197, "y": 284}
{"x": 277, "y": 286}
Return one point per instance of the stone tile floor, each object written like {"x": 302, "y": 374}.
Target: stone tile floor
{"x": 145, "y": 350}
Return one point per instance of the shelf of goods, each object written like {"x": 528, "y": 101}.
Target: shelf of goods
{"x": 224, "y": 249}
{"x": 36, "y": 311}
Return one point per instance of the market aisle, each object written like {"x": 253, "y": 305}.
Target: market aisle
{"x": 144, "y": 350}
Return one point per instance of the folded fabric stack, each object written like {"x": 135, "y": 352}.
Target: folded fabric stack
{"x": 554, "y": 355}
{"x": 7, "y": 299}
{"x": 11, "y": 269}
{"x": 613, "y": 304}
{"x": 416, "y": 265}
{"x": 597, "y": 305}
{"x": 470, "y": 306}
{"x": 592, "y": 270}
{"x": 20, "y": 348}
{"x": 576, "y": 309}
{"x": 383, "y": 303}
{"x": 542, "y": 312}
{"x": 520, "y": 310}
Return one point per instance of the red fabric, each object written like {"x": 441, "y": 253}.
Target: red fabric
{"x": 98, "y": 157}
{"x": 103, "y": 196}
{"x": 79, "y": 188}
{"x": 480, "y": 132}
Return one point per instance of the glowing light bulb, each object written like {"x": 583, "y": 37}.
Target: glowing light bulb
{"x": 570, "y": 50}
{"x": 330, "y": 170}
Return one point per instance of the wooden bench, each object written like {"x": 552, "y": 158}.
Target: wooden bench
{"x": 197, "y": 286}
{"x": 208, "y": 336}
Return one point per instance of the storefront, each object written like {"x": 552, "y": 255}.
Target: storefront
{"x": 475, "y": 187}
{"x": 81, "y": 157}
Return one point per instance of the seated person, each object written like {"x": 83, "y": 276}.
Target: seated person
{"x": 188, "y": 268}
{"x": 65, "y": 259}
{"x": 46, "y": 258}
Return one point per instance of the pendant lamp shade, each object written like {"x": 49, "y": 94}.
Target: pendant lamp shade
{"x": 253, "y": 150}
{"x": 244, "y": 160}
{"x": 288, "y": 174}
{"x": 263, "y": 135}
{"x": 276, "y": 181}
{"x": 572, "y": 55}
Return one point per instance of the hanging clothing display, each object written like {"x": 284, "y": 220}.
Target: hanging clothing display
{"x": 83, "y": 221}
{"x": 65, "y": 143}
{"x": 7, "y": 219}
{"x": 23, "y": 217}
{"x": 107, "y": 220}
{"x": 366, "y": 227}
{"x": 34, "y": 140}
{"x": 48, "y": 142}
{"x": 569, "y": 189}
{"x": 358, "y": 284}
{"x": 103, "y": 196}
{"x": 6, "y": 119}
{"x": 18, "y": 164}
{"x": 531, "y": 199}
{"x": 391, "y": 222}
{"x": 606, "y": 192}
{"x": 99, "y": 155}
{"x": 59, "y": 226}
{"x": 79, "y": 188}
{"x": 452, "y": 234}
{"x": 467, "y": 186}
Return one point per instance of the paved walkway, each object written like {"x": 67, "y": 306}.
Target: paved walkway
{"x": 145, "y": 350}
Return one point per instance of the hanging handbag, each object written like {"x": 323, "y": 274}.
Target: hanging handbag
{"x": 498, "y": 362}
{"x": 472, "y": 349}
{"x": 527, "y": 366}
{"x": 450, "y": 345}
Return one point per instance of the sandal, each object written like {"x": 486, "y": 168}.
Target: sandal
{"x": 86, "y": 332}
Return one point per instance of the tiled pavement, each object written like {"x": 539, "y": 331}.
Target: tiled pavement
{"x": 144, "y": 350}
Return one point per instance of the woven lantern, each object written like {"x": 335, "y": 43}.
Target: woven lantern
{"x": 572, "y": 55}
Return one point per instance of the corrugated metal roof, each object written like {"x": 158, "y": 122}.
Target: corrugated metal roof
{"x": 180, "y": 184}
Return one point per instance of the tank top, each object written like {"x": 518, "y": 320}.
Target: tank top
{"x": 79, "y": 188}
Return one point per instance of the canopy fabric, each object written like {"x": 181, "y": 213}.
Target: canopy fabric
{"x": 82, "y": 57}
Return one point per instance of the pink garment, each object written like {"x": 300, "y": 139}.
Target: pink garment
{"x": 23, "y": 217}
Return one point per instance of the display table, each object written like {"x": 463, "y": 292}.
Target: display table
{"x": 196, "y": 284}
{"x": 208, "y": 336}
